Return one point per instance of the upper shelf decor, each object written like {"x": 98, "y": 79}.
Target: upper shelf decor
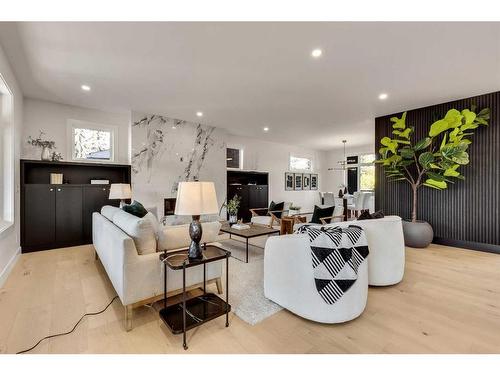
{"x": 45, "y": 145}
{"x": 432, "y": 161}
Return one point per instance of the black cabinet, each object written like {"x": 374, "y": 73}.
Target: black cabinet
{"x": 54, "y": 216}
{"x": 252, "y": 196}
{"x": 94, "y": 198}
{"x": 39, "y": 215}
{"x": 69, "y": 204}
{"x": 253, "y": 189}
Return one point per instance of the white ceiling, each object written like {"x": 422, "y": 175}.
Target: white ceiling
{"x": 245, "y": 76}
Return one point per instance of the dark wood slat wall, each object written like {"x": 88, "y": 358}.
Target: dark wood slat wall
{"x": 467, "y": 213}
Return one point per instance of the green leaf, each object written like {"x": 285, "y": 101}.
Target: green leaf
{"x": 484, "y": 114}
{"x": 406, "y": 153}
{"x": 438, "y": 127}
{"x": 452, "y": 171}
{"x": 443, "y": 142}
{"x": 390, "y": 144}
{"x": 435, "y": 176}
{"x": 461, "y": 158}
{"x": 425, "y": 159}
{"x": 436, "y": 184}
{"x": 452, "y": 119}
{"x": 399, "y": 123}
{"x": 468, "y": 116}
{"x": 403, "y": 134}
{"x": 422, "y": 144}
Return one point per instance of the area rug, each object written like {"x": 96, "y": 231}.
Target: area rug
{"x": 246, "y": 284}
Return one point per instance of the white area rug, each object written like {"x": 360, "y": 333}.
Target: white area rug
{"x": 246, "y": 283}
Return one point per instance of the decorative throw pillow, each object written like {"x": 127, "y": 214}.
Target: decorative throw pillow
{"x": 277, "y": 207}
{"x": 365, "y": 215}
{"x": 135, "y": 209}
{"x": 378, "y": 215}
{"x": 321, "y": 212}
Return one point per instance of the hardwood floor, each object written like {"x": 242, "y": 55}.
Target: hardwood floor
{"x": 448, "y": 302}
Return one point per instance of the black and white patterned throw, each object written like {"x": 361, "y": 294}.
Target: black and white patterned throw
{"x": 337, "y": 254}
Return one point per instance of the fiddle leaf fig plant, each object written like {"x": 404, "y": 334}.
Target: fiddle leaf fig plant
{"x": 433, "y": 161}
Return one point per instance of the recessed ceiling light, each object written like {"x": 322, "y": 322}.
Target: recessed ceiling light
{"x": 199, "y": 114}
{"x": 174, "y": 127}
{"x": 316, "y": 53}
{"x": 383, "y": 96}
{"x": 85, "y": 87}
{"x": 266, "y": 129}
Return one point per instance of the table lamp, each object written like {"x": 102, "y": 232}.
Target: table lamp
{"x": 195, "y": 199}
{"x": 120, "y": 191}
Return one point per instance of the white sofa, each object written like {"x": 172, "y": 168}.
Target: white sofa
{"x": 288, "y": 274}
{"x": 138, "y": 278}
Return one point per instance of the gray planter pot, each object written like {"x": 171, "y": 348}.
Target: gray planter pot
{"x": 418, "y": 234}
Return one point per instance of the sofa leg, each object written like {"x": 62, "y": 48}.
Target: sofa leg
{"x": 128, "y": 318}
{"x": 218, "y": 282}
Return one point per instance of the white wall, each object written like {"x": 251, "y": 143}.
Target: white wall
{"x": 52, "y": 119}
{"x": 333, "y": 179}
{"x": 274, "y": 158}
{"x": 9, "y": 239}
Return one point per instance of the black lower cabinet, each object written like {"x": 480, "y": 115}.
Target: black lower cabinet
{"x": 38, "y": 229}
{"x": 57, "y": 216}
{"x": 69, "y": 205}
{"x": 94, "y": 198}
{"x": 252, "y": 196}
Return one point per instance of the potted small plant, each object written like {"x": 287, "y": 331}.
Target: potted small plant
{"x": 433, "y": 161}
{"x": 294, "y": 210}
{"x": 45, "y": 145}
{"x": 232, "y": 209}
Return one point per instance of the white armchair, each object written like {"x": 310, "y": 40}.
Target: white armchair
{"x": 289, "y": 281}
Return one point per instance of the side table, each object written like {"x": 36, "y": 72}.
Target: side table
{"x": 193, "y": 312}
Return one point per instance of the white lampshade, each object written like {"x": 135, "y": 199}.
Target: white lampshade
{"x": 196, "y": 198}
{"x": 120, "y": 191}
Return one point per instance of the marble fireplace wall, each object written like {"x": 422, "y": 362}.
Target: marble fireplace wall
{"x": 166, "y": 151}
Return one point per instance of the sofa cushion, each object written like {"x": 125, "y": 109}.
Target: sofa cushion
{"x": 172, "y": 237}
{"x": 136, "y": 209}
{"x": 109, "y": 212}
{"x": 139, "y": 229}
{"x": 154, "y": 222}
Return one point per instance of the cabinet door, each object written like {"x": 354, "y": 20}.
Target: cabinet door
{"x": 39, "y": 216}
{"x": 69, "y": 223}
{"x": 94, "y": 198}
{"x": 242, "y": 192}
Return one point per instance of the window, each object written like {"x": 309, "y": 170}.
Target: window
{"x": 367, "y": 172}
{"x": 6, "y": 156}
{"x": 91, "y": 142}
{"x": 300, "y": 163}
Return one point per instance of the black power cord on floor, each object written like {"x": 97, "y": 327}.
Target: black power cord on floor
{"x": 74, "y": 327}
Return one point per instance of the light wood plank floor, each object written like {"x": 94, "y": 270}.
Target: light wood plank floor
{"x": 448, "y": 302}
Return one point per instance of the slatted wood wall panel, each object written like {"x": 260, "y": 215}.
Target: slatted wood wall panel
{"x": 467, "y": 213}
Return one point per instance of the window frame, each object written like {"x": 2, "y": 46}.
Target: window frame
{"x": 7, "y": 175}
{"x": 360, "y": 165}
{"x": 78, "y": 124}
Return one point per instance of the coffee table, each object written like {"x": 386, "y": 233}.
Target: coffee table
{"x": 255, "y": 230}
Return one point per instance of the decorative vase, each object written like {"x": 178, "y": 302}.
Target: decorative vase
{"x": 233, "y": 219}
{"x": 341, "y": 193}
{"x": 45, "y": 154}
{"x": 417, "y": 234}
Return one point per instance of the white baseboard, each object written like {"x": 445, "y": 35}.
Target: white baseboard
{"x": 6, "y": 271}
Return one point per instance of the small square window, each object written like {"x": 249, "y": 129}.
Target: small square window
{"x": 91, "y": 142}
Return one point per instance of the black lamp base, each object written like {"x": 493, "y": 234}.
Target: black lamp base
{"x": 195, "y": 232}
